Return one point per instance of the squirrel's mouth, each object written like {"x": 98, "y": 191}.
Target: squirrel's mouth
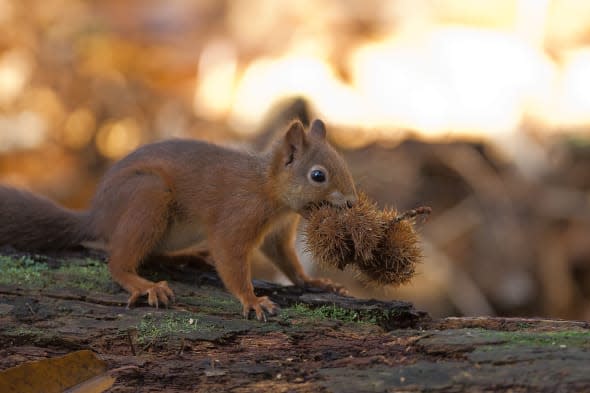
{"x": 307, "y": 210}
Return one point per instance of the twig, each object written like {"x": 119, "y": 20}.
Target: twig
{"x": 130, "y": 339}
{"x": 123, "y": 368}
{"x": 409, "y": 214}
{"x": 181, "y": 350}
{"x": 31, "y": 309}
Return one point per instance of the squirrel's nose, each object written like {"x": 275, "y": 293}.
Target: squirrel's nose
{"x": 339, "y": 199}
{"x": 351, "y": 201}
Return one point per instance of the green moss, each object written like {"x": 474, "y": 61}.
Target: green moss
{"x": 154, "y": 327}
{"x": 568, "y": 338}
{"x": 577, "y": 338}
{"x": 29, "y": 335}
{"x": 224, "y": 302}
{"x": 87, "y": 274}
{"x": 332, "y": 312}
{"x": 23, "y": 271}
{"x": 28, "y": 332}
{"x": 218, "y": 303}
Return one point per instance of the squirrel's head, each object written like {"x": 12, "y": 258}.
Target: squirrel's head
{"x": 309, "y": 171}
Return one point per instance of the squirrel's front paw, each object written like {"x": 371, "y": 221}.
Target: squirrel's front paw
{"x": 261, "y": 306}
{"x": 326, "y": 285}
{"x": 158, "y": 293}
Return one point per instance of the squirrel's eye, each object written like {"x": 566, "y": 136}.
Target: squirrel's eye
{"x": 317, "y": 176}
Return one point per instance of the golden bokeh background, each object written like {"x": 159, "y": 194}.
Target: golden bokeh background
{"x": 480, "y": 109}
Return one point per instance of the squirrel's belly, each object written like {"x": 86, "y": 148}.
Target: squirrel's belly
{"x": 181, "y": 235}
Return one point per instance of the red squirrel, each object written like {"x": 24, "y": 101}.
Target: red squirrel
{"x": 173, "y": 194}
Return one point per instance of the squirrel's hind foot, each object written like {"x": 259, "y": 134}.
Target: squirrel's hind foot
{"x": 158, "y": 293}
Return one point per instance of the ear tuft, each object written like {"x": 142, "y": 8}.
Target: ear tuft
{"x": 318, "y": 129}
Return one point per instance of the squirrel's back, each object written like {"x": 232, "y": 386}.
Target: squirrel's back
{"x": 198, "y": 182}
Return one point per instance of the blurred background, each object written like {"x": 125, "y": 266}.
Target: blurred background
{"x": 480, "y": 109}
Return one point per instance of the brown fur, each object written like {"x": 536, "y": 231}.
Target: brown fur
{"x": 34, "y": 223}
{"x": 174, "y": 194}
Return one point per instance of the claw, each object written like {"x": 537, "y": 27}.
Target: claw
{"x": 326, "y": 285}
{"x": 261, "y": 307}
{"x": 133, "y": 299}
{"x": 152, "y": 298}
{"x": 158, "y": 293}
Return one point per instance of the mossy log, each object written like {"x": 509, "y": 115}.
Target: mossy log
{"x": 52, "y": 305}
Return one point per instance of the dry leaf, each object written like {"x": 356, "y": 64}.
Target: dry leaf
{"x": 53, "y": 375}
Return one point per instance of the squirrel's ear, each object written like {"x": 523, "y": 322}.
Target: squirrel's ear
{"x": 294, "y": 141}
{"x": 318, "y": 129}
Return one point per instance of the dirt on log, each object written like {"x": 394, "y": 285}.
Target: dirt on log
{"x": 51, "y": 305}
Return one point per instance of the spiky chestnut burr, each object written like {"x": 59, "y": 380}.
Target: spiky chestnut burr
{"x": 381, "y": 245}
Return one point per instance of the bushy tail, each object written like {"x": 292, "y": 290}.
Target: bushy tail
{"x": 33, "y": 223}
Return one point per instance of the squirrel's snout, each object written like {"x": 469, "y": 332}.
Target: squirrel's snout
{"x": 351, "y": 200}
{"x": 336, "y": 198}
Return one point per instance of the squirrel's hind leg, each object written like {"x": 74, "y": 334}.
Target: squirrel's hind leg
{"x": 137, "y": 233}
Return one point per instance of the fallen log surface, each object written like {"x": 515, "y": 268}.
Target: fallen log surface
{"x": 51, "y": 305}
